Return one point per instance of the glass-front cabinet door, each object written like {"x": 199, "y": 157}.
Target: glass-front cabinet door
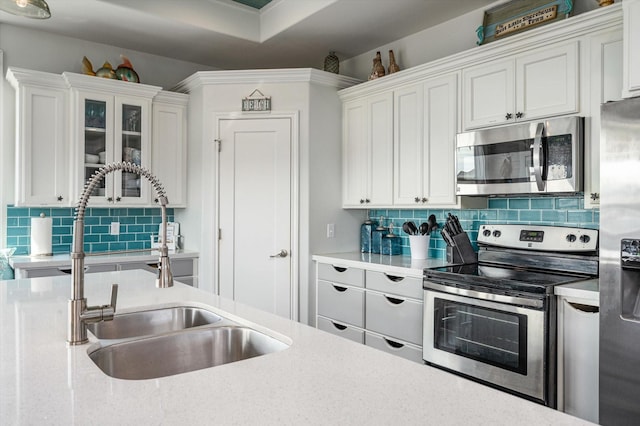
{"x": 116, "y": 128}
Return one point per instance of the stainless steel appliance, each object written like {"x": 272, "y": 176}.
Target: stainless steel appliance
{"x": 619, "y": 257}
{"x": 538, "y": 157}
{"x": 494, "y": 320}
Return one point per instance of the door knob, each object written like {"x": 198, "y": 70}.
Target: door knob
{"x": 281, "y": 253}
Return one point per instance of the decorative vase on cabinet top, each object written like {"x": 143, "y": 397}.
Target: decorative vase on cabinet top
{"x": 393, "y": 66}
{"x": 378, "y": 68}
{"x": 332, "y": 63}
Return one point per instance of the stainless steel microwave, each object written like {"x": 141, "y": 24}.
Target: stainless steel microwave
{"x": 540, "y": 157}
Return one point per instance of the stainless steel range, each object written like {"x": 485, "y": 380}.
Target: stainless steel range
{"x": 494, "y": 320}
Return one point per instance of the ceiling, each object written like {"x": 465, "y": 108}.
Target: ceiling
{"x": 246, "y": 34}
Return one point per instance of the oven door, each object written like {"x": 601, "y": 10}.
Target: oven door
{"x": 493, "y": 341}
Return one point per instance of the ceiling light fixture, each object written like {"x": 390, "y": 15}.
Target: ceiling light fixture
{"x": 38, "y": 9}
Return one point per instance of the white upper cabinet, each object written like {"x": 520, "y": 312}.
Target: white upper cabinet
{"x": 631, "y": 28}
{"x": 425, "y": 123}
{"x": 368, "y": 151}
{"x": 605, "y": 85}
{"x": 169, "y": 145}
{"x": 42, "y": 139}
{"x": 111, "y": 123}
{"x": 527, "y": 86}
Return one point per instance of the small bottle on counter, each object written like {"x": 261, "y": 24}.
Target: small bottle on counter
{"x": 391, "y": 243}
{"x": 376, "y": 239}
{"x": 366, "y": 233}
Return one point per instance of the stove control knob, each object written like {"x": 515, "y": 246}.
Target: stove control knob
{"x": 585, "y": 238}
{"x": 486, "y": 233}
{"x": 497, "y": 233}
{"x": 571, "y": 238}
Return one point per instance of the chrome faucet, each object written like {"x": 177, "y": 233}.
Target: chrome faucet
{"x": 79, "y": 313}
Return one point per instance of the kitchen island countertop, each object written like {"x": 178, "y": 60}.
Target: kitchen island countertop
{"x": 319, "y": 379}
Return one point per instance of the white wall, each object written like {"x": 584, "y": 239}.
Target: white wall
{"x": 448, "y": 38}
{"x": 319, "y": 174}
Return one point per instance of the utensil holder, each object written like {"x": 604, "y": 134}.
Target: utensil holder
{"x": 419, "y": 245}
{"x": 461, "y": 251}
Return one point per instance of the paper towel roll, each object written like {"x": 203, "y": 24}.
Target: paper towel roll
{"x": 41, "y": 229}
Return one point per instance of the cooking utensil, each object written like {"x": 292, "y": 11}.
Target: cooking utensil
{"x": 410, "y": 228}
{"x": 424, "y": 228}
{"x": 433, "y": 225}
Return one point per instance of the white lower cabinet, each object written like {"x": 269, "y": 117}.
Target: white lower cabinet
{"x": 395, "y": 347}
{"x": 394, "y": 316}
{"x": 342, "y": 330}
{"x": 340, "y": 302}
{"x": 380, "y": 309}
{"x": 183, "y": 269}
{"x": 578, "y": 357}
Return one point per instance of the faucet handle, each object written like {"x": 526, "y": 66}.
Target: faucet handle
{"x": 108, "y": 311}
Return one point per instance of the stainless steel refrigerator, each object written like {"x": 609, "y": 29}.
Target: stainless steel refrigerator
{"x": 620, "y": 263}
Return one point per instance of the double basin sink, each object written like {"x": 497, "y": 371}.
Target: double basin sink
{"x": 166, "y": 341}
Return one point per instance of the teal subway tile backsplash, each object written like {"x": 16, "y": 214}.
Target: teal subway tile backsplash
{"x": 559, "y": 211}
{"x": 136, "y": 227}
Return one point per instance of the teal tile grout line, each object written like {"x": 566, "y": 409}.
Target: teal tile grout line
{"x": 136, "y": 227}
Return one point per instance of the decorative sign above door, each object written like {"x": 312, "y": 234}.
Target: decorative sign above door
{"x": 256, "y": 101}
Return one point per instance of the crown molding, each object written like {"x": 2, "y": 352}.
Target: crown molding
{"x": 89, "y": 82}
{"x": 265, "y": 76}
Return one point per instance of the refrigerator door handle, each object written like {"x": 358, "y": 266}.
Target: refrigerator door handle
{"x": 537, "y": 157}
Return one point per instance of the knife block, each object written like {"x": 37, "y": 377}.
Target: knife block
{"x": 461, "y": 251}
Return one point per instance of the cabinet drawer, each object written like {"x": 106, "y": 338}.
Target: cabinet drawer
{"x": 395, "y": 284}
{"x": 342, "y": 330}
{"x": 179, "y": 267}
{"x": 395, "y": 317}
{"x": 342, "y": 275}
{"x": 405, "y": 350}
{"x": 65, "y": 270}
{"x": 341, "y": 303}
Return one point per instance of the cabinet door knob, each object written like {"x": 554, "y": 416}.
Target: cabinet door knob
{"x": 508, "y": 116}
{"x": 417, "y": 199}
{"x": 60, "y": 198}
{"x": 118, "y": 199}
{"x": 361, "y": 201}
{"x": 424, "y": 199}
{"x": 595, "y": 196}
{"x": 519, "y": 114}
{"x": 367, "y": 200}
{"x": 110, "y": 199}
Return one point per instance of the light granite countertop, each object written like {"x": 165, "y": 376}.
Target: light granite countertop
{"x": 319, "y": 379}
{"x": 397, "y": 264}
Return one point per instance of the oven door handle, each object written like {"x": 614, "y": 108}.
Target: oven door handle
{"x": 500, "y": 298}
{"x": 537, "y": 157}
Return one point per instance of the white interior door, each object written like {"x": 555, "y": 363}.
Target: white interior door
{"x": 254, "y": 260}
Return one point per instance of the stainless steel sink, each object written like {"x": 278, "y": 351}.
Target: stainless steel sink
{"x": 183, "y": 351}
{"x": 153, "y": 321}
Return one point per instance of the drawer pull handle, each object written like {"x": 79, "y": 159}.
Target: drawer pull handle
{"x": 394, "y": 300}
{"x": 394, "y": 278}
{"x": 339, "y": 268}
{"x": 584, "y": 308}
{"x": 393, "y": 344}
{"x": 340, "y": 289}
{"x": 339, "y": 326}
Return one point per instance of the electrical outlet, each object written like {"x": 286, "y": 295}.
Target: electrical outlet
{"x": 331, "y": 230}
{"x": 115, "y": 228}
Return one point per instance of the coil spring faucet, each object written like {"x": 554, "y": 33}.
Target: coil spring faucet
{"x": 79, "y": 313}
